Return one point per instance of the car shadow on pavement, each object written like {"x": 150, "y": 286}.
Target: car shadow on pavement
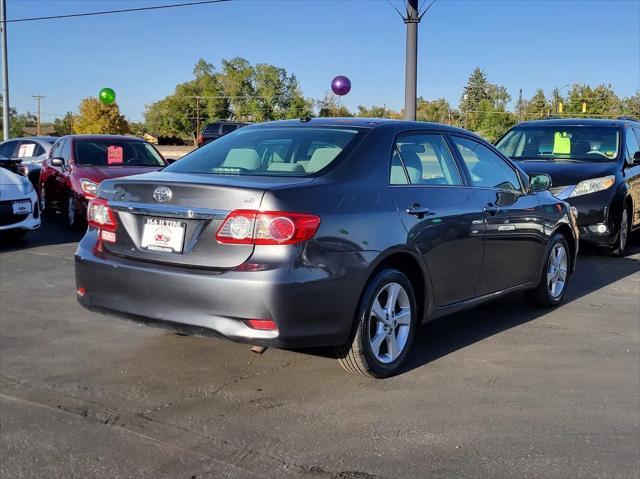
{"x": 448, "y": 334}
{"x": 52, "y": 232}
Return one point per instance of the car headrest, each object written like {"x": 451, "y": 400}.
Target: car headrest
{"x": 322, "y": 157}
{"x": 246, "y": 158}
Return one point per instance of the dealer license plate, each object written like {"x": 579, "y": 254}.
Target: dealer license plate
{"x": 162, "y": 235}
{"x": 21, "y": 207}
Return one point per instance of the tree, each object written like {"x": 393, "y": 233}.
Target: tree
{"x": 537, "y": 106}
{"x": 63, "y": 126}
{"x": 240, "y": 90}
{"x": 96, "y": 117}
{"x": 376, "y": 111}
{"x": 598, "y": 101}
{"x": 631, "y": 105}
{"x": 437, "y": 111}
{"x": 483, "y": 106}
{"x": 329, "y": 106}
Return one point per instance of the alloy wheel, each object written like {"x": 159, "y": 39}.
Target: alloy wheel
{"x": 390, "y": 323}
{"x": 557, "y": 270}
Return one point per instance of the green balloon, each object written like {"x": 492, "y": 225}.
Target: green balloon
{"x": 107, "y": 96}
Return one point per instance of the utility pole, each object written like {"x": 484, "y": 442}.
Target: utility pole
{"x": 197, "y": 115}
{"x": 38, "y": 98}
{"x": 5, "y": 71}
{"x": 520, "y": 106}
{"x": 411, "y": 66}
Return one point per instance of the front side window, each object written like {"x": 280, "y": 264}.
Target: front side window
{"x": 632, "y": 145}
{"x": 561, "y": 142}
{"x": 287, "y": 151}
{"x": 115, "y": 152}
{"x": 486, "y": 169}
{"x": 423, "y": 159}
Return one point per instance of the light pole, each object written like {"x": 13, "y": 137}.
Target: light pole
{"x": 5, "y": 71}
{"x": 411, "y": 65}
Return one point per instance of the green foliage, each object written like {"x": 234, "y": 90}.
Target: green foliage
{"x": 330, "y": 106}
{"x": 600, "y": 101}
{"x": 536, "y": 107}
{"x": 63, "y": 126}
{"x": 483, "y": 106}
{"x": 96, "y": 117}
{"x": 376, "y": 111}
{"x": 436, "y": 111}
{"x": 239, "y": 91}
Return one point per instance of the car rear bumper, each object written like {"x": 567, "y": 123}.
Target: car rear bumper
{"x": 311, "y": 306}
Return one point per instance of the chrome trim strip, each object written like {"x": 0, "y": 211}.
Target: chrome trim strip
{"x": 169, "y": 211}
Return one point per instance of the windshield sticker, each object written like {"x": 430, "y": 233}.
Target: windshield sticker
{"x": 26, "y": 150}
{"x": 115, "y": 155}
{"x": 561, "y": 143}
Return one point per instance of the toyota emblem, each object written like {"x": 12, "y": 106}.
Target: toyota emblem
{"x": 162, "y": 194}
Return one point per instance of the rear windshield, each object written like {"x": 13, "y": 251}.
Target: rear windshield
{"x": 290, "y": 151}
{"x": 115, "y": 152}
{"x": 583, "y": 143}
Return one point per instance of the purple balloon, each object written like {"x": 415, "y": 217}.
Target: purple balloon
{"x": 341, "y": 85}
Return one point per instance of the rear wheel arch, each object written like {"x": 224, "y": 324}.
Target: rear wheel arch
{"x": 410, "y": 265}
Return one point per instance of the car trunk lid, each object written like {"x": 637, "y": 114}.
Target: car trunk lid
{"x": 172, "y": 218}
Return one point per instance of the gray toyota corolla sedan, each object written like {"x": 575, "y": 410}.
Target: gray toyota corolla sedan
{"x": 325, "y": 232}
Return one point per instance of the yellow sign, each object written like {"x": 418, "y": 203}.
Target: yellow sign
{"x": 561, "y": 143}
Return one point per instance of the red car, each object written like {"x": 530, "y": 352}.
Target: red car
{"x": 78, "y": 163}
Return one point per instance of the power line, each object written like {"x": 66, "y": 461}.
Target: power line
{"x": 109, "y": 12}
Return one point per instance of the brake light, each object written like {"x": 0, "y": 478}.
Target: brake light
{"x": 267, "y": 227}
{"x": 100, "y": 215}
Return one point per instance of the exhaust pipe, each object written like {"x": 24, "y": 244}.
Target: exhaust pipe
{"x": 258, "y": 349}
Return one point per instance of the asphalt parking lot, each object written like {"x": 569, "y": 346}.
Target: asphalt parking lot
{"x": 500, "y": 391}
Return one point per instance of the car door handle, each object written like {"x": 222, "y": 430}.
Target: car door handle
{"x": 491, "y": 209}
{"x": 417, "y": 210}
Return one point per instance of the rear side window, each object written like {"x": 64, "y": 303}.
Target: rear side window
{"x": 212, "y": 129}
{"x": 8, "y": 149}
{"x": 227, "y": 129}
{"x": 423, "y": 159}
{"x": 293, "y": 151}
{"x": 486, "y": 169}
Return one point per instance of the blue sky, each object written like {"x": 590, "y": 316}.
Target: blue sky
{"x": 519, "y": 43}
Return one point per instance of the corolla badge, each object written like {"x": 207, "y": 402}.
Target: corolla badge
{"x": 162, "y": 194}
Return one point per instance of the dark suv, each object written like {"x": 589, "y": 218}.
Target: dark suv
{"x": 594, "y": 165}
{"x": 215, "y": 130}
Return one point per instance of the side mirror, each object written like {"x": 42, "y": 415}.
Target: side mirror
{"x": 57, "y": 161}
{"x": 539, "y": 182}
{"x": 636, "y": 158}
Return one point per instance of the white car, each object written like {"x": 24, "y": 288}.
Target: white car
{"x": 19, "y": 209}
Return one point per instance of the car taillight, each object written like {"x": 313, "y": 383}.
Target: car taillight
{"x": 267, "y": 227}
{"x": 99, "y": 215}
{"x": 200, "y": 139}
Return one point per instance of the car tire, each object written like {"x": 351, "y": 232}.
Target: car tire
{"x": 42, "y": 200}
{"x": 72, "y": 217}
{"x": 620, "y": 247}
{"x": 555, "y": 274}
{"x": 384, "y": 329}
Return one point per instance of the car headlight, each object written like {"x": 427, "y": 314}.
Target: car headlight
{"x": 591, "y": 186}
{"x": 27, "y": 187}
{"x": 89, "y": 187}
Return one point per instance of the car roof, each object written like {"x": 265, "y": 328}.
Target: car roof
{"x": 91, "y": 136}
{"x": 359, "y": 122}
{"x": 581, "y": 122}
{"x": 34, "y": 138}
